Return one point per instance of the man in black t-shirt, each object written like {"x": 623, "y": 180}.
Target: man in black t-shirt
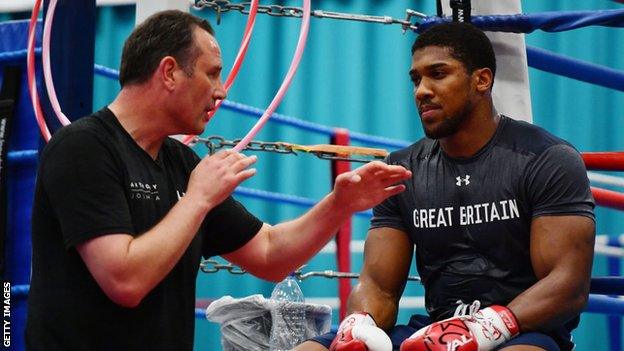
{"x": 123, "y": 213}
{"x": 500, "y": 214}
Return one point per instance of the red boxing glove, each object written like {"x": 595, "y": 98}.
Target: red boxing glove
{"x": 359, "y": 332}
{"x": 482, "y": 331}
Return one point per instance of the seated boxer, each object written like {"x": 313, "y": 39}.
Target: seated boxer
{"x": 499, "y": 212}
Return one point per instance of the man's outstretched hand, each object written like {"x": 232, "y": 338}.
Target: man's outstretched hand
{"x": 369, "y": 185}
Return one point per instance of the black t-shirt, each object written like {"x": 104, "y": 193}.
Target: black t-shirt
{"x": 470, "y": 218}
{"x": 94, "y": 180}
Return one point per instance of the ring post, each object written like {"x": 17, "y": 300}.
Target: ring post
{"x": 20, "y": 179}
{"x": 343, "y": 239}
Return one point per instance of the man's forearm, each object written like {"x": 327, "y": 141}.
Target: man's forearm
{"x": 128, "y": 268}
{"x": 382, "y": 307}
{"x": 303, "y": 237}
{"x": 551, "y": 302}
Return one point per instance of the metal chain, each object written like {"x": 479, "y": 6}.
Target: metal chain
{"x": 222, "y": 6}
{"x": 339, "y": 275}
{"x": 213, "y": 266}
{"x": 215, "y": 142}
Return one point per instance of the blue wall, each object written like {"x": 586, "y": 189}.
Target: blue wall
{"x": 354, "y": 75}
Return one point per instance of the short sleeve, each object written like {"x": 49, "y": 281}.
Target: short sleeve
{"x": 388, "y": 212}
{"x": 557, "y": 184}
{"x": 228, "y": 227}
{"x": 84, "y": 188}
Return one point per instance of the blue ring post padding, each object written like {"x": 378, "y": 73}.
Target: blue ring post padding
{"x": 565, "y": 66}
{"x": 9, "y": 90}
{"x": 558, "y": 21}
{"x": 20, "y": 291}
{"x": 21, "y": 176}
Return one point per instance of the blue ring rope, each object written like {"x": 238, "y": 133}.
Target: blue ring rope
{"x": 286, "y": 199}
{"x": 607, "y": 305}
{"x": 16, "y": 56}
{"x": 576, "y": 69}
{"x": 106, "y": 71}
{"x": 610, "y": 285}
{"x": 555, "y": 21}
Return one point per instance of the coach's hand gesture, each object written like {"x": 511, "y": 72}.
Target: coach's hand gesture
{"x": 369, "y": 185}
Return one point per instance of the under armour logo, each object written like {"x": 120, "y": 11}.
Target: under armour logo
{"x": 465, "y": 180}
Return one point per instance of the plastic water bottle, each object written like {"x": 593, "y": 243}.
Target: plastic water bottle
{"x": 288, "y": 325}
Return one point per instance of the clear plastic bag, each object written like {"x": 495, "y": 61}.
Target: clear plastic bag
{"x": 246, "y": 322}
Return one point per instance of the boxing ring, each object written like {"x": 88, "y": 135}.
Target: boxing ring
{"x": 22, "y": 156}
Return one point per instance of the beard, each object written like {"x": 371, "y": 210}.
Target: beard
{"x": 448, "y": 126}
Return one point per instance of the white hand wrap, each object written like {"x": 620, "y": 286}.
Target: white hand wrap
{"x": 360, "y": 326}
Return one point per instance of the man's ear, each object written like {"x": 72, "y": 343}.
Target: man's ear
{"x": 166, "y": 71}
{"x": 484, "y": 79}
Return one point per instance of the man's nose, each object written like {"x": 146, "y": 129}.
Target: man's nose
{"x": 422, "y": 91}
{"x": 219, "y": 92}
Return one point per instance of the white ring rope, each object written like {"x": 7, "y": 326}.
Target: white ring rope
{"x": 605, "y": 179}
{"x": 601, "y": 247}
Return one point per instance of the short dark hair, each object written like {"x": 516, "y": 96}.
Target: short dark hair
{"x": 166, "y": 33}
{"x": 467, "y": 44}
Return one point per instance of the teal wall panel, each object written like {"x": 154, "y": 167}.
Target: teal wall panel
{"x": 354, "y": 75}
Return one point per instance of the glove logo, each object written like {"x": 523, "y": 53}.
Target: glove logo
{"x": 350, "y": 321}
{"x": 507, "y": 319}
{"x": 453, "y": 334}
{"x": 455, "y": 344}
{"x": 488, "y": 329}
